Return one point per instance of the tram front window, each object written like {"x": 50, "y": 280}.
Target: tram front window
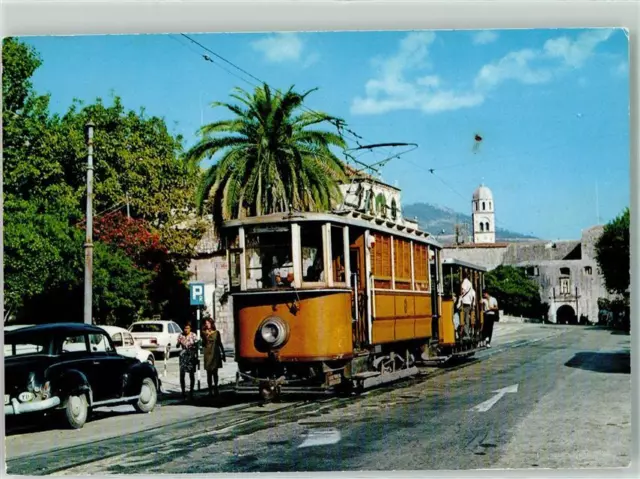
{"x": 269, "y": 262}
{"x": 312, "y": 253}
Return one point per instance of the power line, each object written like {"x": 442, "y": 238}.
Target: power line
{"x": 339, "y": 124}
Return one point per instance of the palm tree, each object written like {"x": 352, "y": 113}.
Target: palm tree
{"x": 270, "y": 160}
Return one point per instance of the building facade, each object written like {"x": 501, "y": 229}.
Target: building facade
{"x": 566, "y": 271}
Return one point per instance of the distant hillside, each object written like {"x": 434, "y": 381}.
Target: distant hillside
{"x": 434, "y": 219}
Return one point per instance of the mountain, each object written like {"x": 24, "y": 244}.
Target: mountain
{"x": 434, "y": 219}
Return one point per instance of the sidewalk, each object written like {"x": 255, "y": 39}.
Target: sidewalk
{"x": 170, "y": 377}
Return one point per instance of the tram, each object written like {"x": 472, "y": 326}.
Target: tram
{"x": 340, "y": 301}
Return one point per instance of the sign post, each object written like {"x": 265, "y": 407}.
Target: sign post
{"x": 196, "y": 298}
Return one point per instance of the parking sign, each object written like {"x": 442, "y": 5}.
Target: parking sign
{"x": 196, "y": 294}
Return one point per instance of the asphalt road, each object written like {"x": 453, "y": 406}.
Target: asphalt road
{"x": 557, "y": 397}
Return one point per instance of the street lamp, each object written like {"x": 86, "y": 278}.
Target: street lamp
{"x": 88, "y": 244}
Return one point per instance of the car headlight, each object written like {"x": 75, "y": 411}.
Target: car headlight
{"x": 274, "y": 331}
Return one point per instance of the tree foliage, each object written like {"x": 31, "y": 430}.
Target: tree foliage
{"x": 270, "y": 159}
{"x": 613, "y": 254}
{"x": 137, "y": 161}
{"x": 517, "y": 295}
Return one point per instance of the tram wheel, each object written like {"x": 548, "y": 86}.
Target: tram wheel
{"x": 269, "y": 393}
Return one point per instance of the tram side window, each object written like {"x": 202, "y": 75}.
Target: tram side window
{"x": 421, "y": 266}
{"x": 312, "y": 253}
{"x": 402, "y": 259}
{"x": 269, "y": 262}
{"x": 337, "y": 253}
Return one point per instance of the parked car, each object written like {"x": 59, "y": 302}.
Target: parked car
{"x": 71, "y": 368}
{"x": 156, "y": 335}
{"x": 126, "y": 345}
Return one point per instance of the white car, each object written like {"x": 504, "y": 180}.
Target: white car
{"x": 156, "y": 335}
{"x": 126, "y": 345}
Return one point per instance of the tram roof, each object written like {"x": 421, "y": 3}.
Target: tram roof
{"x": 348, "y": 218}
{"x": 464, "y": 264}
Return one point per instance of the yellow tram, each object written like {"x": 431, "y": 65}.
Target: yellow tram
{"x": 337, "y": 301}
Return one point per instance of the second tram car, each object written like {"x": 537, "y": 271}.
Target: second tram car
{"x": 337, "y": 301}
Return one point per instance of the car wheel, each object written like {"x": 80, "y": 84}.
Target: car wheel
{"x": 148, "y": 396}
{"x": 77, "y": 411}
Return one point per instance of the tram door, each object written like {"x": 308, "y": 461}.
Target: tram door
{"x": 359, "y": 299}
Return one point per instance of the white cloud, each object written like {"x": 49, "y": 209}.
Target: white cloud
{"x": 395, "y": 88}
{"x": 531, "y": 66}
{"x": 391, "y": 90}
{"x": 513, "y": 66}
{"x": 280, "y": 47}
{"x": 575, "y": 52}
{"x": 484, "y": 37}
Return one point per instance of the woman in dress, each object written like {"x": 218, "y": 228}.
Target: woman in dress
{"x": 213, "y": 353}
{"x": 188, "y": 341}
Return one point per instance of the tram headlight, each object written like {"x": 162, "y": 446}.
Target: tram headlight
{"x": 274, "y": 331}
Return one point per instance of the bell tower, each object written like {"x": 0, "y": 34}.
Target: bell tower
{"x": 483, "y": 214}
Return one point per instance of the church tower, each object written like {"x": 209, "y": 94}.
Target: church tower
{"x": 482, "y": 212}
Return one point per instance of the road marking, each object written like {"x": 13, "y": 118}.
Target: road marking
{"x": 321, "y": 437}
{"x": 485, "y": 406}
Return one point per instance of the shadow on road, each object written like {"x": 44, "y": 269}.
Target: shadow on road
{"x": 618, "y": 362}
{"x": 31, "y": 423}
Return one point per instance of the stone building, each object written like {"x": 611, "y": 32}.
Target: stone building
{"x": 566, "y": 271}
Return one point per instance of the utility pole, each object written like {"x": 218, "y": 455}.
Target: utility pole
{"x": 88, "y": 244}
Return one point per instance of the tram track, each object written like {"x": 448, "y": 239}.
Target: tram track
{"x": 166, "y": 439}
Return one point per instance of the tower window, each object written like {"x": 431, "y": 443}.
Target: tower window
{"x": 487, "y": 226}
{"x": 565, "y": 271}
{"x": 483, "y": 206}
{"x": 481, "y": 226}
{"x": 588, "y": 270}
{"x": 490, "y": 205}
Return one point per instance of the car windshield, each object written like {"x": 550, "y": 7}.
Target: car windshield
{"x": 25, "y": 344}
{"x": 146, "y": 328}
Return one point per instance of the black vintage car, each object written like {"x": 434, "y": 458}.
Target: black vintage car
{"x": 70, "y": 368}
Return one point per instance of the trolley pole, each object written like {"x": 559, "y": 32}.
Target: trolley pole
{"x": 88, "y": 244}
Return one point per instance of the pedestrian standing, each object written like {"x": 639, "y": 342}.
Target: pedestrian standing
{"x": 491, "y": 311}
{"x": 188, "y": 341}
{"x": 213, "y": 353}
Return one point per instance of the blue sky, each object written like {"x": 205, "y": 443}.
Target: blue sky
{"x": 552, "y": 106}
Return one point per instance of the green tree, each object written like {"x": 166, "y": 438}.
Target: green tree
{"x": 269, "y": 157}
{"x": 516, "y": 293}
{"x": 136, "y": 159}
{"x": 612, "y": 254}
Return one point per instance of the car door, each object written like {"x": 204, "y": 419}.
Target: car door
{"x": 74, "y": 354}
{"x": 109, "y": 365}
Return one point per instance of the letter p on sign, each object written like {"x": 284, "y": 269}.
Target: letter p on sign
{"x": 196, "y": 294}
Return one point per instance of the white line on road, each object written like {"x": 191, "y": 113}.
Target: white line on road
{"x": 485, "y": 406}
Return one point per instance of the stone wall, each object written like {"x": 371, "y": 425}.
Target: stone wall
{"x": 213, "y": 272}
{"x": 489, "y": 258}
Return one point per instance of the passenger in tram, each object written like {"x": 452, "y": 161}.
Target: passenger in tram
{"x": 315, "y": 272}
{"x": 467, "y": 302}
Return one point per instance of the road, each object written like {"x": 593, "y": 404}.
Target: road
{"x": 556, "y": 397}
